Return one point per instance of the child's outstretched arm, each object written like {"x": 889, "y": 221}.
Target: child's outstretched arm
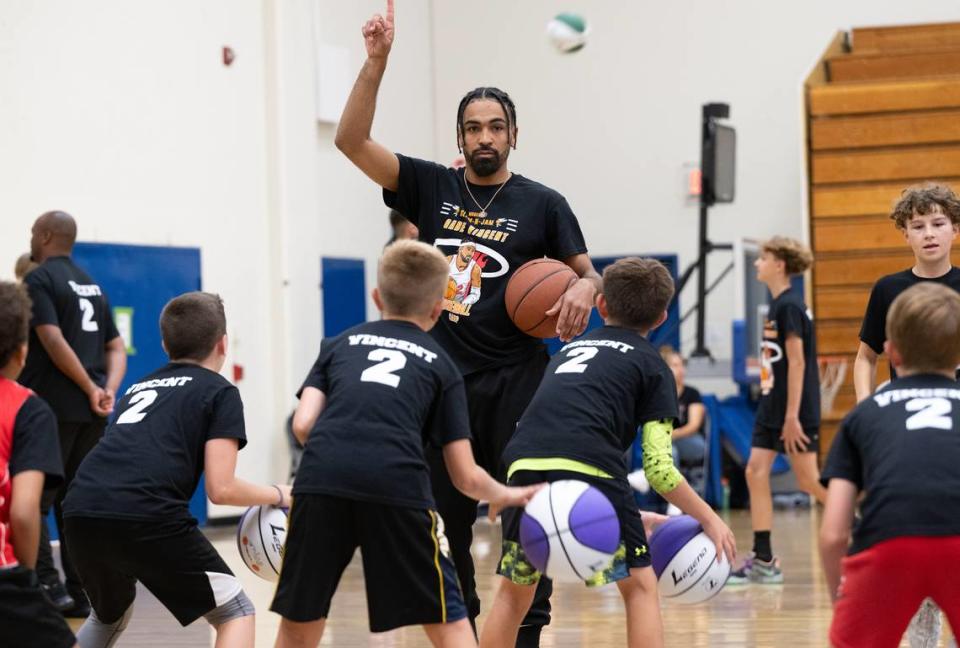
{"x": 473, "y": 481}
{"x": 312, "y": 402}
{"x": 224, "y": 487}
{"x": 835, "y": 530}
{"x": 667, "y": 480}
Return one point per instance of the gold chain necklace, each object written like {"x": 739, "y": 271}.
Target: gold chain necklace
{"x": 483, "y": 210}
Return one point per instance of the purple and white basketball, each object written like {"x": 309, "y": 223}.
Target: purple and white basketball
{"x": 685, "y": 561}
{"x": 569, "y": 531}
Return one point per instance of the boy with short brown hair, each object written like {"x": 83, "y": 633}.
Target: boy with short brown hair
{"x": 899, "y": 449}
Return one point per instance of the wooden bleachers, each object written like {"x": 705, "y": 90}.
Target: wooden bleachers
{"x": 883, "y": 113}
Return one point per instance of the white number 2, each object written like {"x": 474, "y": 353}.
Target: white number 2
{"x": 138, "y": 403}
{"x": 88, "y": 323}
{"x": 930, "y": 413}
{"x": 578, "y": 360}
{"x": 389, "y": 361}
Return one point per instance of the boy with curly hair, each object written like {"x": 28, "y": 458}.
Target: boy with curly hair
{"x": 788, "y": 416}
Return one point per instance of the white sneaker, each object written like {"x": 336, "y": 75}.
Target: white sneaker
{"x": 638, "y": 481}
{"x": 673, "y": 510}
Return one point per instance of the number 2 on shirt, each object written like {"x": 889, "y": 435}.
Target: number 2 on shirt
{"x": 139, "y": 402}
{"x": 388, "y": 362}
{"x": 930, "y": 413}
{"x": 88, "y": 323}
{"x": 578, "y": 360}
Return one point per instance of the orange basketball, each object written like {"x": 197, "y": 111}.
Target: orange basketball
{"x": 451, "y": 289}
{"x": 532, "y": 290}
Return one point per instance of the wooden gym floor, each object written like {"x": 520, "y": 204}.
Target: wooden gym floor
{"x": 795, "y": 614}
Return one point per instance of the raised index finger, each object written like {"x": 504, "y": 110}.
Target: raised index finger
{"x": 389, "y": 12}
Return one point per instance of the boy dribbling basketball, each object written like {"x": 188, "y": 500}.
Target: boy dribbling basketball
{"x": 127, "y": 510}
{"x": 28, "y": 432}
{"x": 595, "y": 394}
{"x": 377, "y": 394}
{"x": 899, "y": 448}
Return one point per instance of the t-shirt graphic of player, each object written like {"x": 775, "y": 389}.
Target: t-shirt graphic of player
{"x": 464, "y": 274}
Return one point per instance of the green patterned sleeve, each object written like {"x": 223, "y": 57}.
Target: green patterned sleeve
{"x": 658, "y": 456}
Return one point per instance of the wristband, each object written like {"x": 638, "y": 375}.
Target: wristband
{"x": 280, "y": 495}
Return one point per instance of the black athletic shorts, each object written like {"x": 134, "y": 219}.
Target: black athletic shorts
{"x": 409, "y": 575}
{"x": 633, "y": 551}
{"x": 27, "y": 619}
{"x": 173, "y": 559}
{"x": 768, "y": 438}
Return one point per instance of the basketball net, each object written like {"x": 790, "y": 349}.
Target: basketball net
{"x": 833, "y": 369}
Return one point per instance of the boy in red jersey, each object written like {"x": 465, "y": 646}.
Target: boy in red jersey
{"x": 28, "y": 431}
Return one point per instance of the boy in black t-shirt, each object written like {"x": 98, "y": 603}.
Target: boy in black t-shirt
{"x": 377, "y": 394}
{"x": 788, "y": 416}
{"x": 596, "y": 393}
{"x": 899, "y": 449}
{"x": 127, "y": 512}
{"x": 929, "y": 217}
{"x": 28, "y": 432}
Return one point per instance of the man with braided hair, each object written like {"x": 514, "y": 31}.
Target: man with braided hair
{"x": 509, "y": 220}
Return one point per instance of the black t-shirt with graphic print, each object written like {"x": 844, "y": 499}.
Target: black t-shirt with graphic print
{"x": 150, "y": 459}
{"x": 595, "y": 393}
{"x": 873, "y": 331}
{"x": 788, "y": 315}
{"x": 65, "y": 296}
{"x": 525, "y": 221}
{"x": 900, "y": 447}
{"x": 390, "y": 390}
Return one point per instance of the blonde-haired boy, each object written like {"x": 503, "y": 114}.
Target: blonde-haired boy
{"x": 376, "y": 395}
{"x": 788, "y": 416}
{"x": 899, "y": 448}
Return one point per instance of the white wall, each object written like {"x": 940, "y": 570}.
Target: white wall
{"x": 611, "y": 126}
{"x": 122, "y": 113}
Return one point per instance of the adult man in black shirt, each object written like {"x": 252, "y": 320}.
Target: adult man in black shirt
{"x": 76, "y": 363}
{"x": 127, "y": 512}
{"x": 898, "y": 448}
{"x": 509, "y": 220}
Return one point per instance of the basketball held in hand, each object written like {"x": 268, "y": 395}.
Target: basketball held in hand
{"x": 533, "y": 290}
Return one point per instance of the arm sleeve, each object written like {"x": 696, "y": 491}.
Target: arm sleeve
{"x": 658, "y": 456}
{"x": 564, "y": 237}
{"x": 36, "y": 445}
{"x": 226, "y": 419}
{"x": 414, "y": 175}
{"x": 873, "y": 331}
{"x": 448, "y": 420}
{"x": 843, "y": 462}
{"x": 317, "y": 378}
{"x": 41, "y": 294}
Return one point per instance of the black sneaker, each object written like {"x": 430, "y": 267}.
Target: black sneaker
{"x": 56, "y": 593}
{"x": 80, "y": 608}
